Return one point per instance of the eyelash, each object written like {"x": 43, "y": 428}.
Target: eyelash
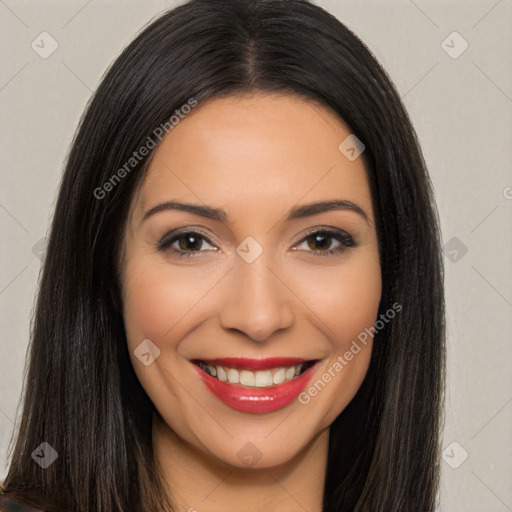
{"x": 345, "y": 240}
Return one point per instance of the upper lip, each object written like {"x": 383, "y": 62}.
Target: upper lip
{"x": 244, "y": 363}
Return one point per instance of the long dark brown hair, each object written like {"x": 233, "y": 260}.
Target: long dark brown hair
{"x": 81, "y": 395}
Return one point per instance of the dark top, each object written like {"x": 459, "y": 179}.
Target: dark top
{"x": 13, "y": 503}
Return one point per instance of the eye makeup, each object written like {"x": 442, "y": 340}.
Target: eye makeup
{"x": 192, "y": 240}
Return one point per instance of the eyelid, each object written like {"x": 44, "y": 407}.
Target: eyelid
{"x": 324, "y": 229}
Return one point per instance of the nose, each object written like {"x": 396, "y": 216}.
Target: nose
{"x": 257, "y": 301}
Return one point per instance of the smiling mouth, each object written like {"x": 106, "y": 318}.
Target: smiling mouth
{"x": 265, "y": 373}
{"x": 256, "y": 385}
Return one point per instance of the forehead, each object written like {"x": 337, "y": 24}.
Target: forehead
{"x": 256, "y": 151}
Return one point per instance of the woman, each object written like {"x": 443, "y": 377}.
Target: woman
{"x": 242, "y": 300}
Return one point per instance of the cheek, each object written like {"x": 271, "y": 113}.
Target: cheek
{"x": 155, "y": 300}
{"x": 345, "y": 299}
{"x": 347, "y": 302}
{"x": 357, "y": 307}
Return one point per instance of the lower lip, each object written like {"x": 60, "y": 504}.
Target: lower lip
{"x": 256, "y": 400}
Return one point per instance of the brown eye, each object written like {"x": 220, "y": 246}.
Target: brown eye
{"x": 190, "y": 241}
{"x": 184, "y": 243}
{"x": 319, "y": 242}
{"x": 327, "y": 242}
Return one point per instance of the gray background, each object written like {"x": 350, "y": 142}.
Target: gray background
{"x": 461, "y": 108}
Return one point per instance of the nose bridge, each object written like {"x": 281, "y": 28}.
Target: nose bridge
{"x": 257, "y": 304}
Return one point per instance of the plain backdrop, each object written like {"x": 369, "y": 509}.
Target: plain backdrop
{"x": 451, "y": 64}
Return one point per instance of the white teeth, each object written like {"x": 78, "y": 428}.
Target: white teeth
{"x": 290, "y": 373}
{"x": 263, "y": 379}
{"x": 258, "y": 379}
{"x": 278, "y": 377}
{"x": 221, "y": 374}
{"x": 247, "y": 378}
{"x": 233, "y": 376}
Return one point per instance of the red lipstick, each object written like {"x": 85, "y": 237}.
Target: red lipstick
{"x": 257, "y": 399}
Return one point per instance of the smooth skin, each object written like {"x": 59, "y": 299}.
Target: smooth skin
{"x": 255, "y": 157}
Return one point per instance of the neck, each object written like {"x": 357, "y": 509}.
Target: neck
{"x": 199, "y": 482}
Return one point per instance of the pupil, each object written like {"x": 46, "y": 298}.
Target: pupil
{"x": 195, "y": 242}
{"x": 318, "y": 239}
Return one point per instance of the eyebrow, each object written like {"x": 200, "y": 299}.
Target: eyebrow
{"x": 298, "y": 212}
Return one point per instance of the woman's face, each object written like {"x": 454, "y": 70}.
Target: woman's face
{"x": 254, "y": 284}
